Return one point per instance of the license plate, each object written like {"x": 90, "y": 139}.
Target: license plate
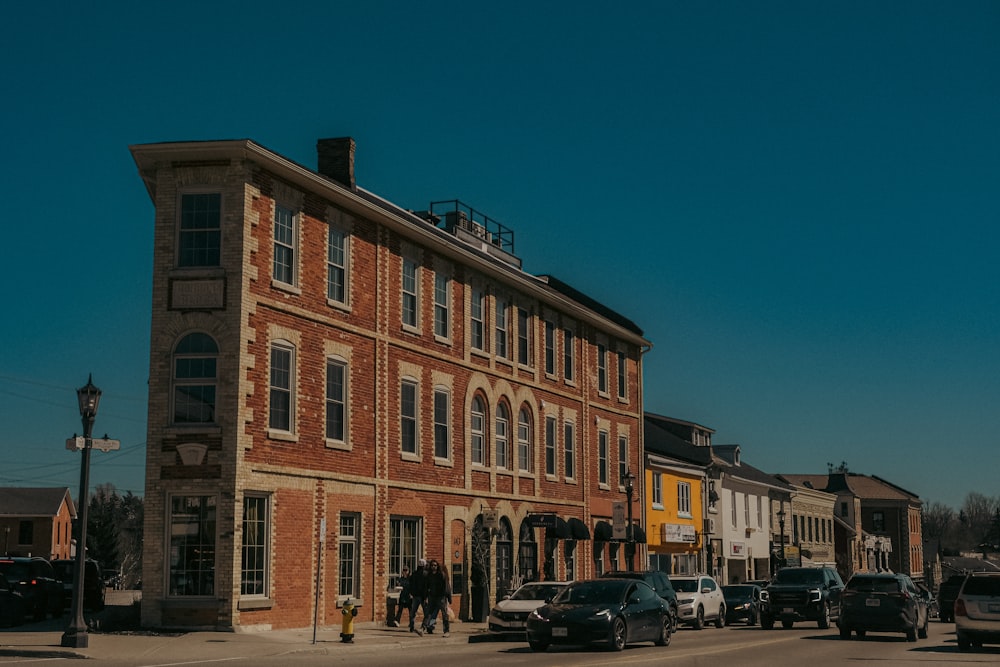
{"x": 994, "y": 608}
{"x": 788, "y": 610}
{"x": 873, "y": 602}
{"x": 560, "y": 632}
{"x": 515, "y": 624}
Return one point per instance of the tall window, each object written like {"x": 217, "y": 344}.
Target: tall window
{"x": 568, "y": 354}
{"x": 408, "y": 416}
{"x": 348, "y": 549}
{"x": 622, "y": 458}
{"x": 442, "y": 441}
{"x": 550, "y": 348}
{"x": 336, "y": 265}
{"x": 404, "y": 544}
{"x": 195, "y": 377}
{"x": 523, "y": 337}
{"x": 602, "y": 368}
{"x": 192, "y": 545}
{"x": 476, "y": 314}
{"x": 602, "y": 458}
{"x": 478, "y": 431}
{"x": 524, "y": 454}
{"x": 502, "y": 430}
{"x": 441, "y": 301}
{"x": 658, "y": 489}
{"x": 253, "y": 571}
{"x": 502, "y": 326}
{"x": 284, "y": 245}
{"x": 550, "y": 445}
{"x": 410, "y": 292}
{"x": 282, "y": 370}
{"x": 878, "y": 522}
{"x": 622, "y": 376}
{"x": 569, "y": 450}
{"x": 336, "y": 399}
{"x": 684, "y": 499}
{"x": 200, "y": 230}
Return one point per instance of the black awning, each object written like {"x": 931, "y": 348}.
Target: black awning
{"x": 560, "y": 532}
{"x": 638, "y": 534}
{"x": 603, "y": 531}
{"x": 578, "y": 529}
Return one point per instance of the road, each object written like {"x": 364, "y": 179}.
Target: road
{"x": 711, "y": 647}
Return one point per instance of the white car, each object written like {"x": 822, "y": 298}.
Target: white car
{"x": 699, "y": 598}
{"x": 511, "y": 613}
{"x": 977, "y": 611}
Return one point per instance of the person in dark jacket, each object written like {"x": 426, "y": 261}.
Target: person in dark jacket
{"x": 405, "y": 599}
{"x": 438, "y": 597}
{"x": 418, "y": 594}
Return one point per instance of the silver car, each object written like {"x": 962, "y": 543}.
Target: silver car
{"x": 977, "y": 611}
{"x": 510, "y": 614}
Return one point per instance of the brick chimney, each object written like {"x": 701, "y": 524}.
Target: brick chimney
{"x": 336, "y": 160}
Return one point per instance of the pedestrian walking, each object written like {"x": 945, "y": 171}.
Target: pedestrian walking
{"x": 405, "y": 599}
{"x": 438, "y": 597}
{"x": 418, "y": 594}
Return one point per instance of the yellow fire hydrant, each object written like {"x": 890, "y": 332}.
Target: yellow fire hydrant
{"x": 349, "y": 611}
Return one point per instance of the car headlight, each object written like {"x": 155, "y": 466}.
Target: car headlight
{"x": 764, "y": 597}
{"x": 603, "y": 613}
{"x": 745, "y": 605}
{"x": 685, "y": 600}
{"x": 535, "y": 616}
{"x": 815, "y": 595}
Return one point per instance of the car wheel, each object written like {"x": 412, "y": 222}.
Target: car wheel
{"x": 720, "y": 620}
{"x": 911, "y": 632}
{"x": 699, "y": 619}
{"x": 861, "y": 633}
{"x": 845, "y": 633}
{"x": 752, "y": 618}
{"x": 673, "y": 620}
{"x": 540, "y": 647}
{"x": 664, "y": 638}
{"x": 787, "y": 625}
{"x": 963, "y": 643}
{"x": 766, "y": 622}
{"x": 618, "y": 635}
{"x": 922, "y": 632}
{"x": 824, "y": 620}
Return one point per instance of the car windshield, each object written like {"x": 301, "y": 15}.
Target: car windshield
{"x": 982, "y": 586}
{"x": 737, "y": 591}
{"x": 796, "y": 577}
{"x": 536, "y": 592}
{"x": 685, "y": 585}
{"x": 63, "y": 569}
{"x": 873, "y": 585}
{"x": 15, "y": 571}
{"x": 593, "y": 592}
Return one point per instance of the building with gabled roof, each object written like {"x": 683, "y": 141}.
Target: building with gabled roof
{"x": 37, "y": 522}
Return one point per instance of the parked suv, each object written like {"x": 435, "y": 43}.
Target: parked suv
{"x": 37, "y": 583}
{"x": 977, "y": 611}
{"x": 803, "y": 594}
{"x": 947, "y": 592}
{"x": 658, "y": 581}
{"x": 93, "y": 583}
{"x": 699, "y": 598}
{"x": 882, "y": 602}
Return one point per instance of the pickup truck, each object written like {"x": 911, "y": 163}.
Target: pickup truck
{"x": 802, "y": 594}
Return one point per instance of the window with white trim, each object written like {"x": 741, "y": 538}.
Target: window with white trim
{"x": 411, "y": 293}
{"x": 477, "y": 313}
{"x": 442, "y": 299}
{"x": 336, "y": 265}
{"x": 524, "y": 337}
{"x": 524, "y": 449}
{"x": 285, "y": 244}
{"x": 622, "y": 376}
{"x": 336, "y": 400}
{"x": 282, "y": 397}
{"x": 602, "y": 368}
{"x": 478, "y": 431}
{"x": 569, "y": 354}
{"x": 684, "y": 499}
{"x": 404, "y": 544}
{"x": 501, "y": 327}
{"x": 550, "y": 446}
{"x": 569, "y": 450}
{"x": 550, "y": 348}
{"x": 622, "y": 458}
{"x": 658, "y": 490}
{"x": 602, "y": 458}
{"x": 349, "y": 555}
{"x": 254, "y": 568}
{"x": 408, "y": 416}
{"x": 501, "y": 439}
{"x": 442, "y": 419}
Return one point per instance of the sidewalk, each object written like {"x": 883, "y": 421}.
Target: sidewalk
{"x": 44, "y": 642}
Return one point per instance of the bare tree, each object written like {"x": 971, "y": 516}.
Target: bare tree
{"x": 977, "y": 518}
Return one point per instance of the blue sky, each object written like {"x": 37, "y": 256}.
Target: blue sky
{"x": 795, "y": 200}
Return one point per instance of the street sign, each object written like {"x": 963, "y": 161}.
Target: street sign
{"x": 618, "y": 521}
{"x": 78, "y": 442}
{"x": 490, "y": 519}
{"x": 542, "y": 521}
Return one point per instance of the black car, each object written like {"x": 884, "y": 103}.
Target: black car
{"x": 614, "y": 611}
{"x": 658, "y": 581}
{"x": 742, "y": 603}
{"x": 12, "y": 607}
{"x": 882, "y": 602}
{"x": 947, "y": 593}
{"x": 93, "y": 583}
{"x": 803, "y": 594}
{"x": 36, "y": 581}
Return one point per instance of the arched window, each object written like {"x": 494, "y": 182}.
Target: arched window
{"x": 478, "y": 431}
{"x": 505, "y": 558}
{"x": 525, "y": 452}
{"x": 195, "y": 379}
{"x": 527, "y": 553}
{"x": 500, "y": 443}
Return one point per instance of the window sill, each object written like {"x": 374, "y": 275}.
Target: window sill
{"x": 658, "y": 506}
{"x": 684, "y": 515}
{"x": 345, "y": 307}
{"x": 442, "y": 340}
{"x": 284, "y": 436}
{"x": 338, "y": 444}
{"x": 285, "y": 287}
{"x": 443, "y": 462}
{"x": 409, "y": 456}
{"x": 410, "y": 329}
{"x": 188, "y": 430}
{"x": 246, "y": 604}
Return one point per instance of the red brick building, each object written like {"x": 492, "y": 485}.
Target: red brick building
{"x": 340, "y": 386}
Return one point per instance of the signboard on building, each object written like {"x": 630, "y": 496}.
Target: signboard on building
{"x": 678, "y": 533}
{"x": 618, "y": 521}
{"x": 737, "y": 550}
{"x": 792, "y": 556}
{"x": 542, "y": 521}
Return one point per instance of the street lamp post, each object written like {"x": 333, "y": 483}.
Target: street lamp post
{"x": 6, "y": 538}
{"x": 781, "y": 527}
{"x": 75, "y": 635}
{"x": 629, "y": 528}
